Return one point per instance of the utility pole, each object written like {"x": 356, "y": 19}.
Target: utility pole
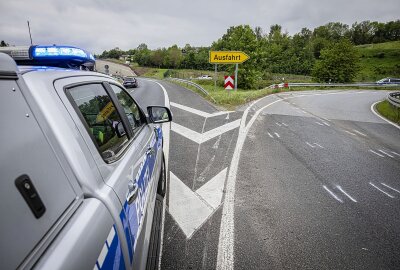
{"x": 30, "y": 36}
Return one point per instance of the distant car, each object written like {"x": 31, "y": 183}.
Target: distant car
{"x": 389, "y": 81}
{"x": 204, "y": 77}
{"x": 130, "y": 82}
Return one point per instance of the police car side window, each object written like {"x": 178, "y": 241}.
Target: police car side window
{"x": 131, "y": 109}
{"x": 101, "y": 117}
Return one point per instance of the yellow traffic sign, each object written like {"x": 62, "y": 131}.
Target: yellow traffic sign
{"x": 227, "y": 57}
{"x": 105, "y": 112}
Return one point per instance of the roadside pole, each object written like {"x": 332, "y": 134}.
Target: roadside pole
{"x": 215, "y": 78}
{"x": 236, "y": 73}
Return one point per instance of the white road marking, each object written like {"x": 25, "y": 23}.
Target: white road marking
{"x": 359, "y": 132}
{"x": 270, "y": 135}
{"x": 198, "y": 112}
{"x": 188, "y": 210}
{"x": 186, "y": 132}
{"x": 319, "y": 123}
{"x": 381, "y": 117}
{"x": 326, "y": 119}
{"x": 397, "y": 154}
{"x": 201, "y": 138}
{"x": 191, "y": 110}
{"x": 225, "y": 257}
{"x": 390, "y": 187}
{"x": 351, "y": 133}
{"x": 333, "y": 194}
{"x": 220, "y": 130}
{"x": 212, "y": 191}
{"x": 278, "y": 124}
{"x": 285, "y": 124}
{"x": 372, "y": 151}
{"x": 320, "y": 146}
{"x": 345, "y": 193}
{"x": 216, "y": 144}
{"x": 326, "y": 124}
{"x": 312, "y": 145}
{"x": 384, "y": 192}
{"x": 166, "y": 128}
{"x": 277, "y": 135}
{"x": 383, "y": 152}
{"x": 309, "y": 144}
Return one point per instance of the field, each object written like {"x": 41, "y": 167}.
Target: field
{"x": 379, "y": 61}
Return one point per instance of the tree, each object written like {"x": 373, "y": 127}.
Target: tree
{"x": 338, "y": 63}
{"x": 242, "y": 38}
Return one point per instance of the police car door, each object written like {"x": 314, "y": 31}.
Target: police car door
{"x": 139, "y": 200}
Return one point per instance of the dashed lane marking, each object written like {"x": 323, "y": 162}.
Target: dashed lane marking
{"x": 351, "y": 133}
{"x": 372, "y": 151}
{"x": 345, "y": 193}
{"x": 384, "y": 192}
{"x": 392, "y": 188}
{"x": 383, "y": 152}
{"x": 333, "y": 194}
{"x": 359, "y": 132}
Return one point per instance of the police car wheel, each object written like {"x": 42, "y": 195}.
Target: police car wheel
{"x": 162, "y": 182}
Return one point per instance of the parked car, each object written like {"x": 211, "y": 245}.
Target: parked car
{"x": 204, "y": 77}
{"x": 130, "y": 82}
{"x": 389, "y": 81}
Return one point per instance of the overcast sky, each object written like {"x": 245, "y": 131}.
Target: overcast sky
{"x": 98, "y": 25}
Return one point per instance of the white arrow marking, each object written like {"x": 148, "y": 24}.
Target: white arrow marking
{"x": 212, "y": 191}
{"x": 198, "y": 112}
{"x": 188, "y": 210}
{"x": 200, "y": 138}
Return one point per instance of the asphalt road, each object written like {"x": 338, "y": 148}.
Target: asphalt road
{"x": 114, "y": 68}
{"x": 317, "y": 184}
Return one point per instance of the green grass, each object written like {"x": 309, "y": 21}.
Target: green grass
{"x": 388, "y": 111}
{"x": 379, "y": 61}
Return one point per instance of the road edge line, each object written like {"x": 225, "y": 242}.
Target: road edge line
{"x": 381, "y": 117}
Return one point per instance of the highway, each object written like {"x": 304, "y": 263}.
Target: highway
{"x": 113, "y": 68}
{"x": 299, "y": 180}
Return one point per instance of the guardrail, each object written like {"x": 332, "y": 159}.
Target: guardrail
{"x": 281, "y": 85}
{"x": 394, "y": 99}
{"x": 192, "y": 84}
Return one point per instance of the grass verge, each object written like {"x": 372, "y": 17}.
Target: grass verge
{"x": 230, "y": 100}
{"x": 387, "y": 110}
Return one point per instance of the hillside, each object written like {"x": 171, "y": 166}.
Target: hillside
{"x": 379, "y": 61}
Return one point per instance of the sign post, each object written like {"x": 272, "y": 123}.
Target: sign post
{"x": 227, "y": 57}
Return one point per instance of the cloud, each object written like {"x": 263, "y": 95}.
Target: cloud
{"x": 98, "y": 25}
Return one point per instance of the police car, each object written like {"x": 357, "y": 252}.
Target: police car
{"x": 82, "y": 165}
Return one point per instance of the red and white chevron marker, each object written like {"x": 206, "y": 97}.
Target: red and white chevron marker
{"x": 229, "y": 83}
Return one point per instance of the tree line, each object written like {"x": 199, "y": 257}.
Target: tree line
{"x": 327, "y": 52}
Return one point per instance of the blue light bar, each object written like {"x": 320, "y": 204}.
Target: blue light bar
{"x": 60, "y": 52}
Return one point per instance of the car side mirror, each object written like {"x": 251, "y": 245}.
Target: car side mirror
{"x": 159, "y": 114}
{"x": 120, "y": 130}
